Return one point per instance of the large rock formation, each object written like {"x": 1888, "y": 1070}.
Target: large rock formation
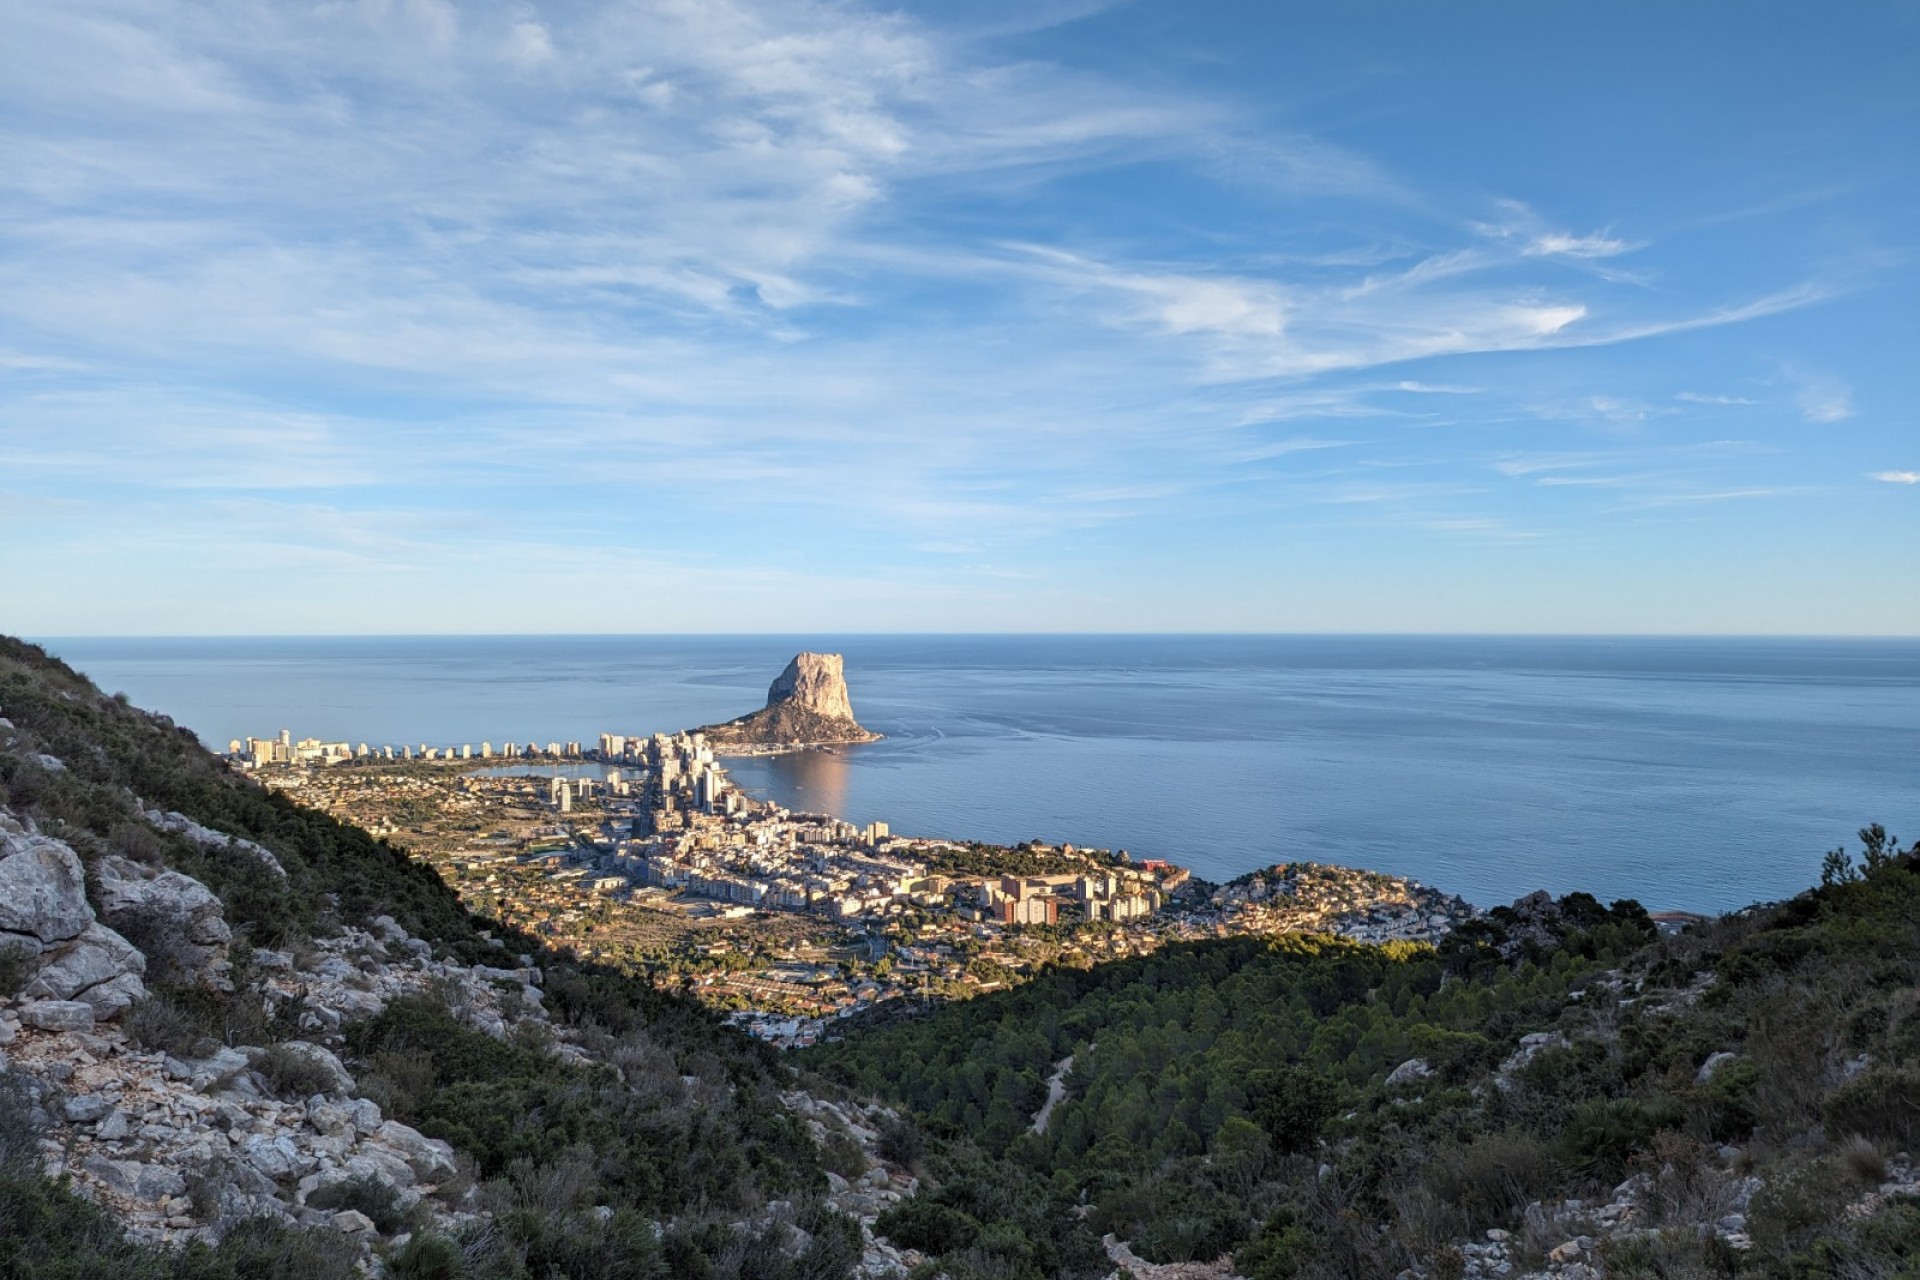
{"x": 806, "y": 706}
{"x": 53, "y": 947}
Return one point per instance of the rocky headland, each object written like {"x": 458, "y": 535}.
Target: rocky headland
{"x": 807, "y": 706}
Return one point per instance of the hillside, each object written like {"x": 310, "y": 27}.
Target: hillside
{"x": 242, "y": 1039}
{"x": 1554, "y": 1091}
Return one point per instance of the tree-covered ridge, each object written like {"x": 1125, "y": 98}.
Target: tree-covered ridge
{"x": 1235, "y": 1095}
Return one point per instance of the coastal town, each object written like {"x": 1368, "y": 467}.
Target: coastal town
{"x": 641, "y": 852}
{"x": 647, "y": 857}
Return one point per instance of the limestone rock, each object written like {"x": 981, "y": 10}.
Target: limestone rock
{"x": 58, "y": 1015}
{"x": 43, "y": 891}
{"x": 429, "y": 1158}
{"x": 86, "y": 1108}
{"x": 275, "y": 1157}
{"x": 806, "y": 705}
{"x": 1412, "y": 1071}
{"x": 1711, "y": 1067}
{"x": 96, "y": 958}
{"x": 179, "y": 921}
{"x": 206, "y": 837}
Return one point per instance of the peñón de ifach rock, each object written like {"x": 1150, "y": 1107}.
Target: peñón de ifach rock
{"x": 807, "y": 705}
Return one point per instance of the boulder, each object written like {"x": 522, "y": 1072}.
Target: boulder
{"x": 43, "y": 891}
{"x": 429, "y": 1158}
{"x": 180, "y": 921}
{"x": 132, "y": 1178}
{"x": 381, "y": 1165}
{"x": 1711, "y": 1067}
{"x": 366, "y": 1115}
{"x": 1412, "y": 1071}
{"x": 98, "y": 955}
{"x": 58, "y": 1015}
{"x": 114, "y": 997}
{"x": 86, "y": 1108}
{"x": 275, "y": 1157}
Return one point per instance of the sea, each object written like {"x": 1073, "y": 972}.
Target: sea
{"x": 1698, "y": 774}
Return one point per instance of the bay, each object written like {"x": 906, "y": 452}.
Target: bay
{"x": 1697, "y": 774}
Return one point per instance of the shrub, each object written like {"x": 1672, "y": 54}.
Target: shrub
{"x": 1881, "y": 1102}
{"x": 1864, "y": 1159}
{"x": 1796, "y": 1204}
{"x": 924, "y": 1224}
{"x": 844, "y": 1156}
{"x": 164, "y": 1023}
{"x": 16, "y": 967}
{"x": 426, "y": 1258}
{"x": 1603, "y": 1137}
{"x": 380, "y": 1201}
{"x": 292, "y": 1074}
{"x": 1492, "y": 1178}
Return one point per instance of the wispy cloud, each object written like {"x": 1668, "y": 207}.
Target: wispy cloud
{"x": 1562, "y": 244}
{"x": 1822, "y": 398}
{"x": 1895, "y": 477}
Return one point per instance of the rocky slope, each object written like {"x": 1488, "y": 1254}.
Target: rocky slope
{"x": 223, "y": 1017}
{"x": 807, "y": 705}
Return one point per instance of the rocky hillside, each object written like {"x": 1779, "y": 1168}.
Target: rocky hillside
{"x": 807, "y": 705}
{"x": 240, "y": 1039}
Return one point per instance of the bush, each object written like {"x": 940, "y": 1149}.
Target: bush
{"x": 1881, "y": 1102}
{"x": 380, "y": 1201}
{"x": 1796, "y": 1204}
{"x": 924, "y": 1224}
{"x": 163, "y": 1023}
{"x": 1603, "y": 1137}
{"x": 16, "y": 967}
{"x": 844, "y": 1156}
{"x": 1493, "y": 1178}
{"x": 292, "y": 1074}
{"x": 426, "y": 1258}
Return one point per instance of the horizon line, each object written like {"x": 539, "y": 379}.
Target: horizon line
{"x": 45, "y": 638}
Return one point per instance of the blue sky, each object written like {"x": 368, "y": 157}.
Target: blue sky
{"x": 412, "y": 316}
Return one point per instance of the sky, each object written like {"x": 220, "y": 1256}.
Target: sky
{"x": 409, "y": 316}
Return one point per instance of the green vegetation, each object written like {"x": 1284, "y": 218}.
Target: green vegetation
{"x": 1232, "y": 1096}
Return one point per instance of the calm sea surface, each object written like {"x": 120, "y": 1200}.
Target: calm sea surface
{"x": 1695, "y": 774}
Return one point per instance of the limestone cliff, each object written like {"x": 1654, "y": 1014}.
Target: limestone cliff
{"x": 807, "y": 705}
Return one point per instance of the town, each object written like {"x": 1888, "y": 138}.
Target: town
{"x": 641, "y": 853}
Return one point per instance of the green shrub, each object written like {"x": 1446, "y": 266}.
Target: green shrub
{"x": 1603, "y": 1137}
{"x": 1797, "y": 1204}
{"x": 1492, "y": 1178}
{"x": 293, "y": 1074}
{"x": 427, "y": 1257}
{"x": 167, "y": 1023}
{"x": 924, "y": 1224}
{"x": 380, "y": 1201}
{"x": 1880, "y": 1102}
{"x": 844, "y": 1156}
